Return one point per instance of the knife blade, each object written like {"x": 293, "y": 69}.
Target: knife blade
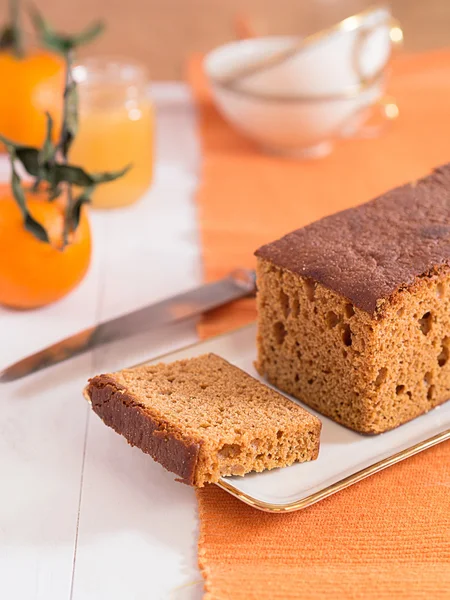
{"x": 238, "y": 284}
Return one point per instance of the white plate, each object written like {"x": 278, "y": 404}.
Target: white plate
{"x": 345, "y": 456}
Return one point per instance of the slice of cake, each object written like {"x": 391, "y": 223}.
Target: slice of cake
{"x": 202, "y": 418}
{"x": 354, "y": 310}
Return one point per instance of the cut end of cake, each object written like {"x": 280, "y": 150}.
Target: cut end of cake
{"x": 203, "y": 418}
{"x": 354, "y": 309}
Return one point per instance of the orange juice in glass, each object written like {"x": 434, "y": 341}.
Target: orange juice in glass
{"x": 116, "y": 128}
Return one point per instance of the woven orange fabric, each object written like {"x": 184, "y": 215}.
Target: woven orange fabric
{"x": 389, "y": 536}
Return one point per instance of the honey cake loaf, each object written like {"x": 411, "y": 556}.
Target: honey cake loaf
{"x": 202, "y": 418}
{"x": 354, "y": 309}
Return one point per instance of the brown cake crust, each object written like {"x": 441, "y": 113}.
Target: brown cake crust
{"x": 121, "y": 412}
{"x": 204, "y": 418}
{"x": 368, "y": 253}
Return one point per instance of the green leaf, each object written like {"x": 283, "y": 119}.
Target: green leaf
{"x": 30, "y": 223}
{"x": 45, "y": 32}
{"x": 83, "y": 198}
{"x": 29, "y": 157}
{"x": 17, "y": 189}
{"x": 60, "y": 42}
{"x": 89, "y": 34}
{"x": 17, "y": 34}
{"x": 109, "y": 175}
{"x": 59, "y": 173}
{"x": 70, "y": 174}
{"x": 7, "y": 38}
{"x": 36, "y": 229}
{"x": 11, "y": 37}
{"x": 8, "y": 143}
{"x": 48, "y": 149}
{"x": 54, "y": 193}
{"x": 70, "y": 127}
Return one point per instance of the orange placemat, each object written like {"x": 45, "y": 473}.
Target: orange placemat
{"x": 389, "y": 536}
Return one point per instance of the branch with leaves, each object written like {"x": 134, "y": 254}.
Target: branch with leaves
{"x": 49, "y": 165}
{"x": 11, "y": 37}
{"x": 46, "y": 165}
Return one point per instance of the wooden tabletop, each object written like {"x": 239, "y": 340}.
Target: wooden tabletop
{"x": 162, "y": 33}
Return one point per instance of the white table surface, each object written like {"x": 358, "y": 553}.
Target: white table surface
{"x": 83, "y": 515}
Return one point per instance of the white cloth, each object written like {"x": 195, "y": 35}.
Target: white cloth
{"x": 83, "y": 516}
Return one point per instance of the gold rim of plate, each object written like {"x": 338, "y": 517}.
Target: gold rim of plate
{"x": 325, "y": 492}
{"x": 339, "y": 485}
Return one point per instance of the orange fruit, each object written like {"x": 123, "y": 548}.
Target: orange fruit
{"x": 34, "y": 273}
{"x": 30, "y": 87}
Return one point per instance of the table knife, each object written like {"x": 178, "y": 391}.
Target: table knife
{"x": 238, "y": 284}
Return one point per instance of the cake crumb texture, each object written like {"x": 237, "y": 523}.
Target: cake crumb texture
{"x": 203, "y": 418}
{"x": 354, "y": 310}
{"x": 370, "y": 374}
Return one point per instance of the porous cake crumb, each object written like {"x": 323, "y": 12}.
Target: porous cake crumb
{"x": 203, "y": 418}
{"x": 354, "y": 309}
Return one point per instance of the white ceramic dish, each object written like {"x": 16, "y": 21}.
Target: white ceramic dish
{"x": 295, "y": 96}
{"x": 345, "y": 456}
{"x": 297, "y": 128}
{"x": 323, "y": 64}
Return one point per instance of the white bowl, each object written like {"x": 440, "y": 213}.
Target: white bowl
{"x": 305, "y": 128}
{"x": 355, "y": 49}
{"x": 300, "y": 101}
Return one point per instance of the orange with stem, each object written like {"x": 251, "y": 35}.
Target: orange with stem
{"x": 45, "y": 243}
{"x": 32, "y": 84}
{"x": 34, "y": 273}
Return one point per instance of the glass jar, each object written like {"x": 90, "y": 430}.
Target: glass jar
{"x": 116, "y": 128}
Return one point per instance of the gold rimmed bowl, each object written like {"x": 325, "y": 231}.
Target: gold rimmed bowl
{"x": 297, "y": 96}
